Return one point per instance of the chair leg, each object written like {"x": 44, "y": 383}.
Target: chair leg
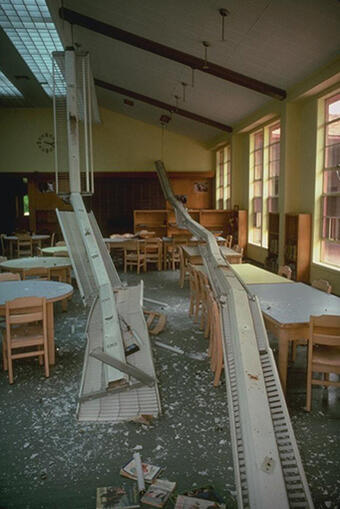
{"x": 10, "y": 365}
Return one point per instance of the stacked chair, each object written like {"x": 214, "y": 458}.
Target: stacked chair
{"x": 205, "y": 311}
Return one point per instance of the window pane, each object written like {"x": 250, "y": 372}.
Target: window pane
{"x": 332, "y": 156}
{"x": 333, "y": 108}
{"x": 330, "y": 253}
{"x": 274, "y": 152}
{"x": 257, "y": 235}
{"x": 258, "y": 172}
{"x": 274, "y": 168}
{"x": 258, "y": 157}
{"x": 258, "y": 138}
{"x": 331, "y": 181}
{"x": 274, "y": 134}
{"x": 257, "y": 204}
{"x": 273, "y": 204}
{"x": 273, "y": 187}
{"x": 333, "y": 133}
{"x": 258, "y": 188}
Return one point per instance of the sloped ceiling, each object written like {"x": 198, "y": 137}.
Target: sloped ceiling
{"x": 279, "y": 42}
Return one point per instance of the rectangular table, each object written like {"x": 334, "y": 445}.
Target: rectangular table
{"x": 286, "y": 310}
{"x": 192, "y": 255}
{"x": 251, "y": 274}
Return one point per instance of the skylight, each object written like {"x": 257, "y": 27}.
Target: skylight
{"x": 7, "y": 89}
{"x": 29, "y": 26}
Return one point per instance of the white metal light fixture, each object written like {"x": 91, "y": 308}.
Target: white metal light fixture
{"x": 206, "y": 45}
{"x": 224, "y": 13}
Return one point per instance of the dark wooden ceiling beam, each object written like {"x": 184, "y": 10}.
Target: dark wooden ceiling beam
{"x": 162, "y": 105}
{"x": 76, "y": 18}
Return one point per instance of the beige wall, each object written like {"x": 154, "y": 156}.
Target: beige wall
{"x": 120, "y": 144}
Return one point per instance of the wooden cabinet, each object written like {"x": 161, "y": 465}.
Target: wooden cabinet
{"x": 298, "y": 245}
{"x": 163, "y": 222}
{"x": 273, "y": 242}
{"x": 152, "y": 220}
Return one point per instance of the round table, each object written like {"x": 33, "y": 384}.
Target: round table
{"x": 53, "y": 250}
{"x": 13, "y": 238}
{"x": 50, "y": 262}
{"x": 52, "y": 290}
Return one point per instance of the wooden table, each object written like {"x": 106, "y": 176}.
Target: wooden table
{"x": 37, "y": 239}
{"x": 52, "y": 290}
{"x": 53, "y": 250}
{"x": 50, "y": 262}
{"x": 192, "y": 255}
{"x": 286, "y": 310}
{"x": 251, "y": 274}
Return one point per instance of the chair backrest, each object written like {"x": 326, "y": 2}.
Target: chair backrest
{"x": 229, "y": 241}
{"x": 9, "y": 276}
{"x": 238, "y": 249}
{"x": 24, "y": 243}
{"x": 137, "y": 246}
{"x": 2, "y": 235}
{"x": 285, "y": 271}
{"x": 25, "y": 310}
{"x": 36, "y": 273}
{"x": 324, "y": 330}
{"x": 152, "y": 244}
{"x": 322, "y": 284}
{"x": 52, "y": 239}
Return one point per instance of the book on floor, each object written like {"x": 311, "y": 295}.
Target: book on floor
{"x": 184, "y": 502}
{"x": 150, "y": 472}
{"x": 158, "y": 493}
{"x": 117, "y": 497}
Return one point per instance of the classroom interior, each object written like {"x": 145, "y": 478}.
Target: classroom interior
{"x": 267, "y": 174}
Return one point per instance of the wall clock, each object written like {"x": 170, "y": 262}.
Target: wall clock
{"x": 45, "y": 142}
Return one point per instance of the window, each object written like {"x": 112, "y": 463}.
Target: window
{"x": 330, "y": 200}
{"x": 223, "y": 178}
{"x": 264, "y": 175}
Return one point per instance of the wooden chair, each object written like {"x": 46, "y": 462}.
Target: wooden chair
{"x": 215, "y": 349}
{"x": 285, "y": 271}
{"x": 183, "y": 267}
{"x": 204, "y": 288}
{"x": 154, "y": 251}
{"x": 172, "y": 252}
{"x": 322, "y": 284}
{"x": 9, "y": 276}
{"x": 229, "y": 241}
{"x": 52, "y": 239}
{"x": 237, "y": 249}
{"x": 24, "y": 245}
{"x": 134, "y": 255}
{"x": 3, "y": 246}
{"x": 42, "y": 273}
{"x": 26, "y": 331}
{"x": 62, "y": 275}
{"x": 194, "y": 292}
{"x": 323, "y": 352}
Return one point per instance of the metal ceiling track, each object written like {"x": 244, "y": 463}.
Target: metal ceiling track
{"x": 75, "y": 18}
{"x": 113, "y": 388}
{"x": 162, "y": 105}
{"x": 267, "y": 464}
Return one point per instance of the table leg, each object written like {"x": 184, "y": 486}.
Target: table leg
{"x": 283, "y": 337}
{"x": 11, "y": 248}
{"x": 50, "y": 333}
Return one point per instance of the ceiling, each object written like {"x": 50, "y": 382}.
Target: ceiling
{"x": 278, "y": 42}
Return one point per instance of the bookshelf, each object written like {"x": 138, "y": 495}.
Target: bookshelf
{"x": 273, "y": 242}
{"x": 298, "y": 245}
{"x": 163, "y": 222}
{"x": 152, "y": 220}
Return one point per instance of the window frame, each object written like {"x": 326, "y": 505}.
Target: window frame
{"x": 333, "y": 223}
{"x": 258, "y": 236}
{"x": 223, "y": 178}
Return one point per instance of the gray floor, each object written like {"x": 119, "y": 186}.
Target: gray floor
{"x": 50, "y": 460}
